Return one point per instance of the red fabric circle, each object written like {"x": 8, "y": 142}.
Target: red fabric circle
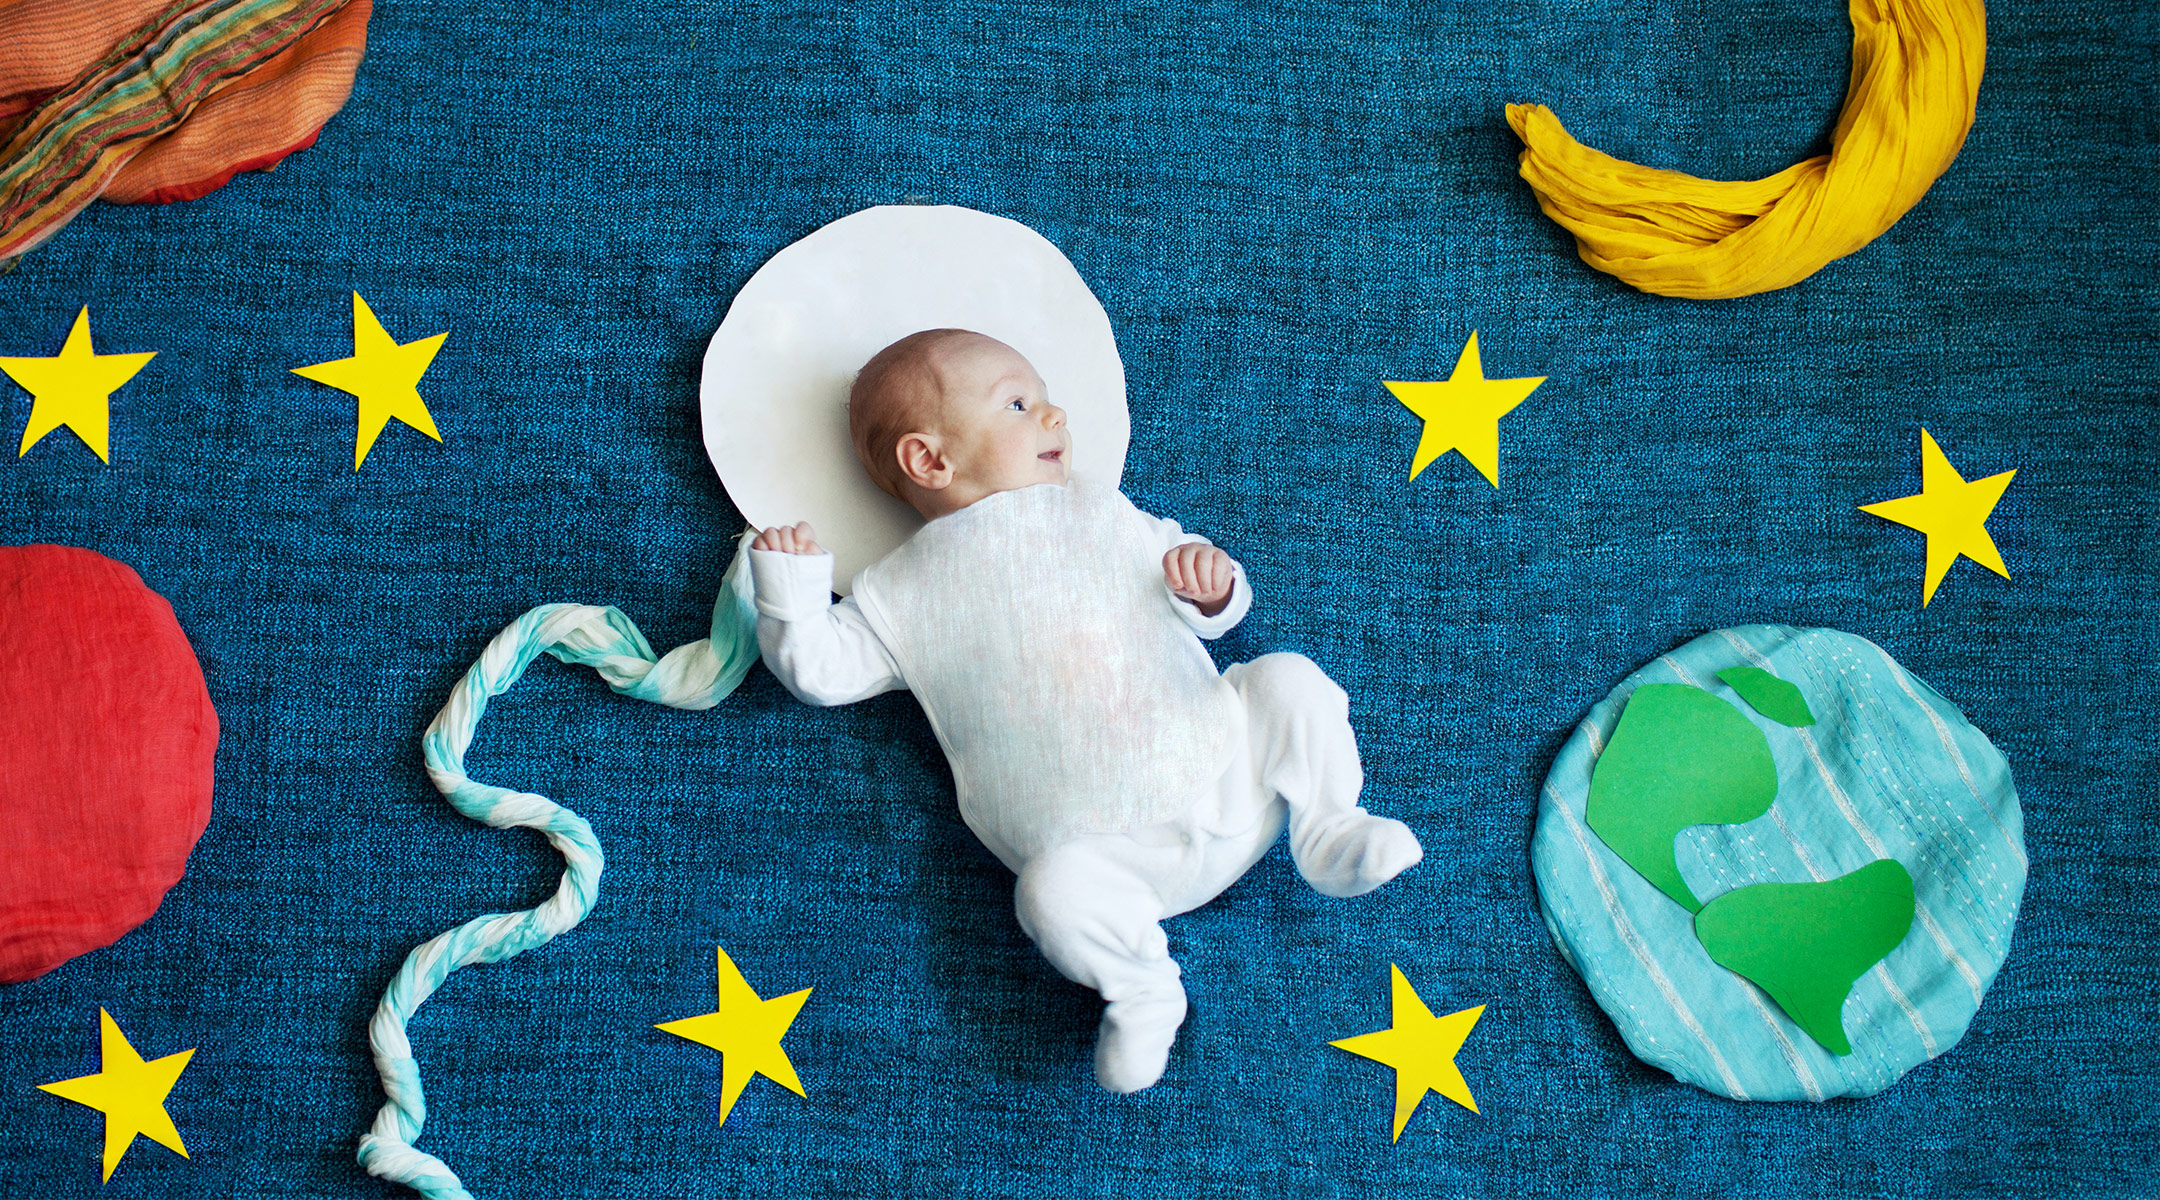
{"x": 106, "y": 741}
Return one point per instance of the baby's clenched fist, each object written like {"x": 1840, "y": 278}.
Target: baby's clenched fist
{"x": 798, "y": 538}
{"x": 1200, "y": 573}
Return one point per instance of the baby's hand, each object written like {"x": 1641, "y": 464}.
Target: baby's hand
{"x": 798, "y": 538}
{"x": 1200, "y": 573}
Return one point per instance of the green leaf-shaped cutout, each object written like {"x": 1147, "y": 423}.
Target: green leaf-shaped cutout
{"x": 1807, "y": 943}
{"x": 1679, "y": 757}
{"x": 1767, "y": 694}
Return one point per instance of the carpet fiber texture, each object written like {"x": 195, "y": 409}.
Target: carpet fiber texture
{"x": 1280, "y": 207}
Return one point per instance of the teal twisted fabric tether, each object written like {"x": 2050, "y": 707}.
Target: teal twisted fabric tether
{"x": 692, "y": 676}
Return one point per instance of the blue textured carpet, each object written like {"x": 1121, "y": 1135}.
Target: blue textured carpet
{"x": 1278, "y": 209}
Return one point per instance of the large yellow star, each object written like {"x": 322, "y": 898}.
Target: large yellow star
{"x": 384, "y": 376}
{"x": 74, "y": 388}
{"x": 1952, "y": 513}
{"x": 746, "y": 1030}
{"x": 1421, "y": 1047}
{"x": 1463, "y": 413}
{"x": 130, "y": 1092}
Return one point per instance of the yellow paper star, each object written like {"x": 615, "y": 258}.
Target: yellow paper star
{"x": 130, "y": 1092}
{"x": 1421, "y": 1047}
{"x": 73, "y": 388}
{"x": 1952, "y": 513}
{"x": 383, "y": 376}
{"x": 1463, "y": 413}
{"x": 746, "y": 1030}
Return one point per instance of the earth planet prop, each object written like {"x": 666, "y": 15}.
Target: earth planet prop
{"x": 1888, "y": 780}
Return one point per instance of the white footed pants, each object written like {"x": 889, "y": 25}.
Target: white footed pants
{"x": 1094, "y": 904}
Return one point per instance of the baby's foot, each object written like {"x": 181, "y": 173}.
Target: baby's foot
{"x": 1133, "y": 1045}
{"x": 1351, "y": 853}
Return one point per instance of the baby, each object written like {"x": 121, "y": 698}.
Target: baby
{"x": 1052, "y": 633}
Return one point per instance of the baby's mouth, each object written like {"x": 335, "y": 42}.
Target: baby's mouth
{"x": 1056, "y": 456}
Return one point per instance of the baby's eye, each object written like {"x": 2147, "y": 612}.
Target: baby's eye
{"x": 1016, "y": 404}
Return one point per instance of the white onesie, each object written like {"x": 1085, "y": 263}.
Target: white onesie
{"x": 1094, "y": 748}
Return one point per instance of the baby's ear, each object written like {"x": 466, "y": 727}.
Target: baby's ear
{"x": 922, "y": 460}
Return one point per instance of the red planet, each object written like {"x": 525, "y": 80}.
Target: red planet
{"x": 106, "y": 742}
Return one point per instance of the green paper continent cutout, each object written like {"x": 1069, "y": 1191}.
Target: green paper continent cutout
{"x": 1679, "y": 757}
{"x": 1767, "y": 694}
{"x": 1806, "y": 944}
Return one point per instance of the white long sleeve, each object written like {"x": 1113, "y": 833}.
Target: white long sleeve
{"x": 824, "y": 653}
{"x": 1169, "y": 534}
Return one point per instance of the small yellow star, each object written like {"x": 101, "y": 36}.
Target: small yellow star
{"x": 73, "y": 388}
{"x": 383, "y": 376}
{"x": 1463, "y": 413}
{"x": 1421, "y": 1047}
{"x": 1951, "y": 511}
{"x": 746, "y": 1030}
{"x": 130, "y": 1092}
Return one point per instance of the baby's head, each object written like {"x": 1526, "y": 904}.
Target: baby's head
{"x": 946, "y": 417}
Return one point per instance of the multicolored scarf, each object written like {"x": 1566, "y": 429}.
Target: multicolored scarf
{"x": 151, "y": 101}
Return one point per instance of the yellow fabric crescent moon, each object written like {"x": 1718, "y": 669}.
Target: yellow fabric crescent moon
{"x": 1916, "y": 74}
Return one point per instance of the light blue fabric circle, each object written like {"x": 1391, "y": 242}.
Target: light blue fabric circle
{"x": 1890, "y": 769}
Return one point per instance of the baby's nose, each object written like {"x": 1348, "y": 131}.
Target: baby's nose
{"x": 1053, "y": 416}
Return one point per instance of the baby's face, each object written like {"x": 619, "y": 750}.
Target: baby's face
{"x": 1000, "y": 430}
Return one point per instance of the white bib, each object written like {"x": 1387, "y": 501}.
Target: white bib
{"x": 1070, "y": 697}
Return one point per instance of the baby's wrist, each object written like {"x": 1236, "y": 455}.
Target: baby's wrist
{"x": 791, "y": 586}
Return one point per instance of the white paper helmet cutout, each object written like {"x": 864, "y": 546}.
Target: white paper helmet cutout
{"x": 778, "y": 369}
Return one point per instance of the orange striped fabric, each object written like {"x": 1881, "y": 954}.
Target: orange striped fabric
{"x": 152, "y": 101}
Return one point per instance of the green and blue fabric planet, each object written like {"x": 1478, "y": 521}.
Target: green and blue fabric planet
{"x": 1786, "y": 867}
